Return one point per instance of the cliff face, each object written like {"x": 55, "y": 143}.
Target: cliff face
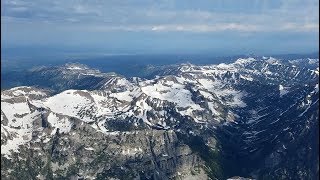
{"x": 85, "y": 153}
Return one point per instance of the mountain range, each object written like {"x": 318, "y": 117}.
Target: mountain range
{"x": 256, "y": 118}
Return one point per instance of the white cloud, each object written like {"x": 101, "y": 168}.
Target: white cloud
{"x": 306, "y": 27}
{"x": 203, "y": 28}
{"x": 264, "y": 16}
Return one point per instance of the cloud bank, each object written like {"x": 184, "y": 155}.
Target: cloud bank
{"x": 159, "y": 16}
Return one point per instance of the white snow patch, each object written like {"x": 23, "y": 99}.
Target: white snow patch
{"x": 12, "y": 110}
{"x": 283, "y": 90}
{"x": 176, "y": 94}
{"x": 63, "y": 124}
{"x": 123, "y": 96}
{"x": 20, "y": 137}
{"x": 313, "y": 61}
{"x": 244, "y": 61}
{"x": 131, "y": 151}
{"x": 246, "y": 78}
{"x": 273, "y": 61}
{"x": 89, "y": 148}
{"x": 68, "y": 103}
{"x": 236, "y": 97}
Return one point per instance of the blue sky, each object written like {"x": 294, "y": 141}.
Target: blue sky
{"x": 162, "y": 26}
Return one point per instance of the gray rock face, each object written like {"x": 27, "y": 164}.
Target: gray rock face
{"x": 85, "y": 153}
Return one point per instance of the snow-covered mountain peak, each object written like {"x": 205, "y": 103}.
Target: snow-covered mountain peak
{"x": 76, "y": 66}
{"x": 245, "y": 61}
{"x": 273, "y": 61}
{"x": 313, "y": 61}
{"x": 26, "y": 92}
